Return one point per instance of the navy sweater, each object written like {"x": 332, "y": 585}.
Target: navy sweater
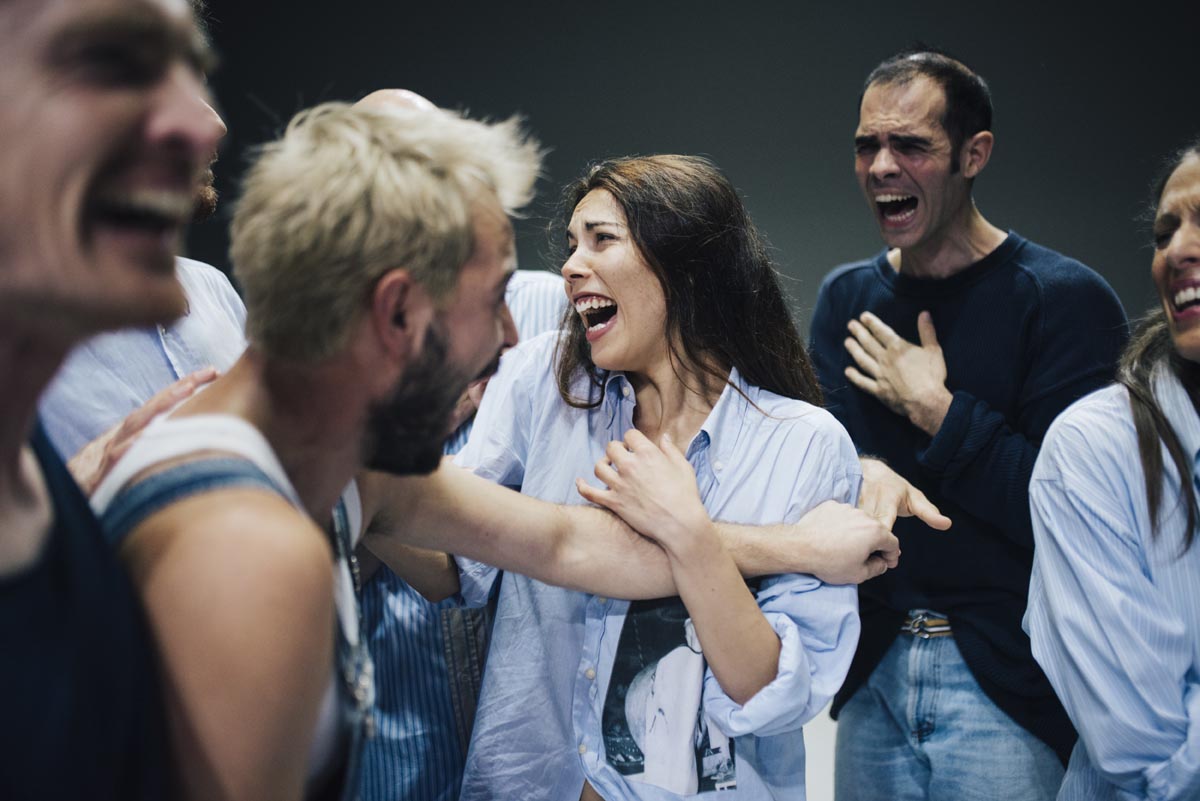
{"x": 1025, "y": 331}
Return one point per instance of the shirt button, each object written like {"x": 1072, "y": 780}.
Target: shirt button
{"x": 625, "y": 390}
{"x": 718, "y": 465}
{"x": 582, "y": 748}
{"x": 590, "y": 673}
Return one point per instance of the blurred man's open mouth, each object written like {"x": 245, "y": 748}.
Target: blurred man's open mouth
{"x": 149, "y": 219}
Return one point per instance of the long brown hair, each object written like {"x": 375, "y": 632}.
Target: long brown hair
{"x": 1150, "y": 348}
{"x": 725, "y": 307}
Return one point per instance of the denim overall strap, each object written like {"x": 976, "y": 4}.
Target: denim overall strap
{"x": 138, "y": 501}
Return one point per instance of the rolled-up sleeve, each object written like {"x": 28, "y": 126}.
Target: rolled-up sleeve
{"x": 817, "y": 623}
{"x": 818, "y": 630}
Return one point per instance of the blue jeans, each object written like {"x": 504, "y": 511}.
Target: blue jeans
{"x": 921, "y": 729}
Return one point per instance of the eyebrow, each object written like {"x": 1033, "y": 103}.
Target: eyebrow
{"x": 502, "y": 284}
{"x": 901, "y": 140}
{"x": 138, "y": 26}
{"x": 909, "y": 139}
{"x": 588, "y": 226}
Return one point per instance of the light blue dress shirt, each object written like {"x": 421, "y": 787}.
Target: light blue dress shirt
{"x": 108, "y": 376}
{"x": 426, "y": 655}
{"x": 538, "y": 730}
{"x": 1114, "y": 613}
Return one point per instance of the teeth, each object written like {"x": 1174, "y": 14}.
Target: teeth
{"x": 1186, "y": 295}
{"x": 169, "y": 204}
{"x": 891, "y": 198}
{"x": 593, "y": 302}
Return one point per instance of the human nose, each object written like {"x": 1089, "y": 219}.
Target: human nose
{"x": 1183, "y": 251}
{"x": 884, "y": 165}
{"x": 575, "y": 267}
{"x": 183, "y": 118}
{"x": 508, "y": 328}
{"x": 222, "y": 128}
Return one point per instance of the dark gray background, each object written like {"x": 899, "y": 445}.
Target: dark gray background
{"x": 1088, "y": 102}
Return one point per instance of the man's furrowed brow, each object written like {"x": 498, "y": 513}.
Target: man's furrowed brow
{"x": 910, "y": 140}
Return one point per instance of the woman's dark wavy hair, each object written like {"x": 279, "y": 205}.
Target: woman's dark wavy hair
{"x": 722, "y": 291}
{"x": 1150, "y": 348}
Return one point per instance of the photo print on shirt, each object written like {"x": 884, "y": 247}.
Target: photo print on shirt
{"x": 655, "y": 728}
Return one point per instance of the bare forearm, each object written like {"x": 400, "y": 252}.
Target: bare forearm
{"x": 833, "y": 541}
{"x": 764, "y": 550}
{"x": 431, "y": 573}
{"x": 576, "y": 547}
{"x": 739, "y": 643}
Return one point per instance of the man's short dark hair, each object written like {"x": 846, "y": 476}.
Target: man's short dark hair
{"x": 968, "y": 99}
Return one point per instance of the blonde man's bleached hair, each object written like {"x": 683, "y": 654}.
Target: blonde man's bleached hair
{"x": 350, "y": 193}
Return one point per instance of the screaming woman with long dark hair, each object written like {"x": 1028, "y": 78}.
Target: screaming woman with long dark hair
{"x": 678, "y": 359}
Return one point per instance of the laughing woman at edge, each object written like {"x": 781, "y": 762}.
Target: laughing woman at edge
{"x": 1114, "y": 603}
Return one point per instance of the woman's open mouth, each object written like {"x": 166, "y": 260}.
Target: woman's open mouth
{"x": 598, "y": 315}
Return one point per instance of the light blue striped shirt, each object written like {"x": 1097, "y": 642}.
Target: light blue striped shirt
{"x": 417, "y": 752}
{"x": 554, "y": 709}
{"x": 1114, "y": 613}
{"x": 108, "y": 376}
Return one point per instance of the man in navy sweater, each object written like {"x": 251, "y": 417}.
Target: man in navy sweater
{"x": 948, "y": 355}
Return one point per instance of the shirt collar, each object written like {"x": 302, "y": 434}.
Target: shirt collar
{"x": 721, "y": 430}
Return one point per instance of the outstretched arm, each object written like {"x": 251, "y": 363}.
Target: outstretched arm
{"x": 592, "y": 550}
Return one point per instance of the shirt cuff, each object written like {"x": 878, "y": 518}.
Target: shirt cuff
{"x": 778, "y": 707}
{"x": 1179, "y": 776}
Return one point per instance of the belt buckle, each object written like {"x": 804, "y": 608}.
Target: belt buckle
{"x": 916, "y": 626}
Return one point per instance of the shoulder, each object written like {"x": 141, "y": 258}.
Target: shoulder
{"x": 238, "y": 537}
{"x": 1057, "y": 276}
{"x": 1095, "y": 431}
{"x": 529, "y": 369}
{"x": 800, "y": 427}
{"x": 536, "y": 300}
{"x": 848, "y": 275}
{"x": 532, "y": 357}
{"x": 196, "y": 275}
{"x": 792, "y": 452}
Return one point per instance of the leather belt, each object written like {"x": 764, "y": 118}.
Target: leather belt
{"x": 926, "y": 624}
